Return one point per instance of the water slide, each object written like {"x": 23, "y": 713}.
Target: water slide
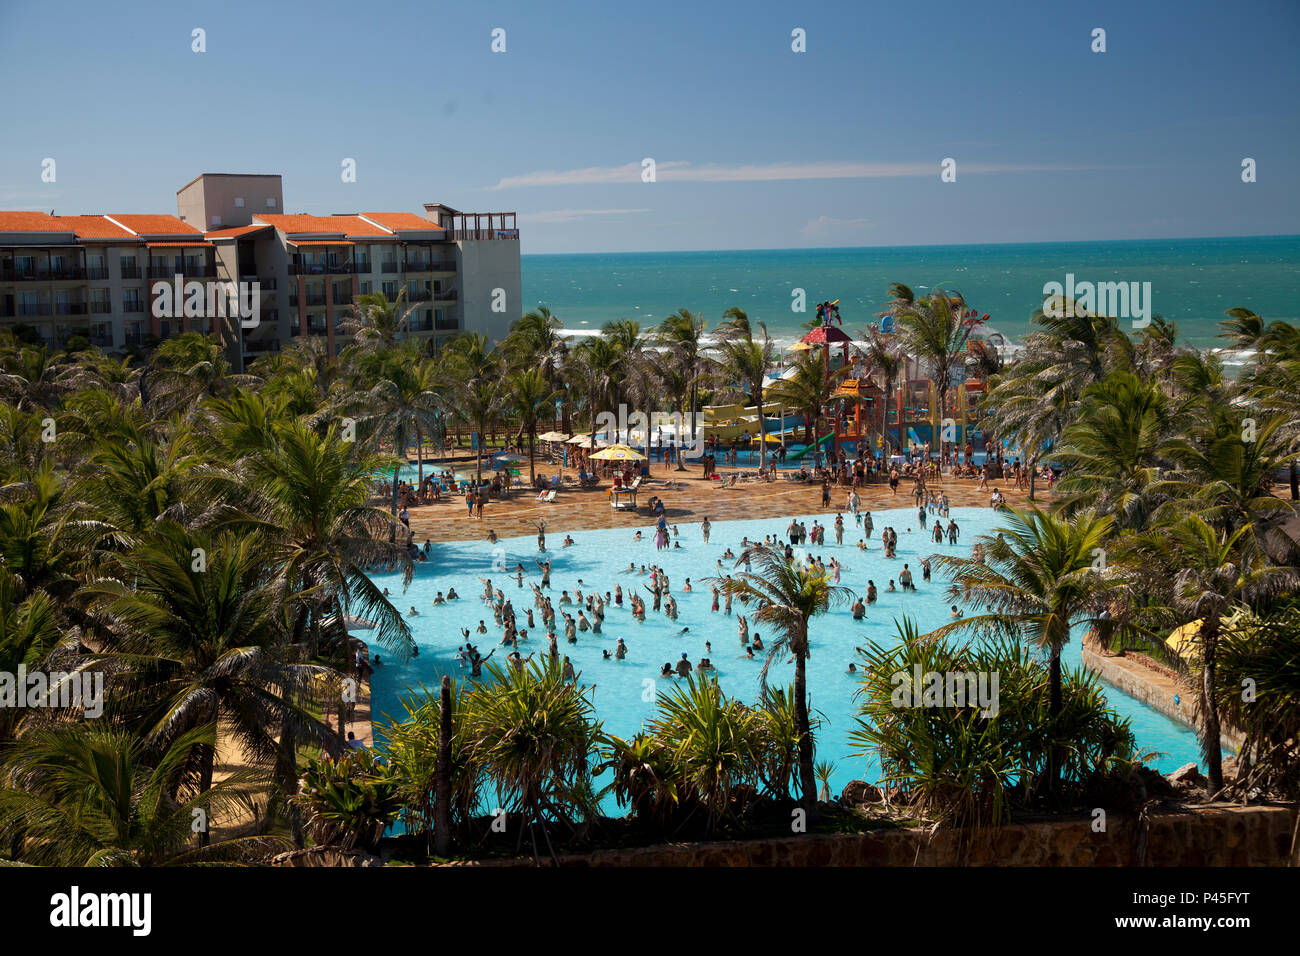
{"x": 796, "y": 456}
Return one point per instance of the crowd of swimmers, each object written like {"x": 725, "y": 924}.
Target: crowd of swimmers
{"x": 582, "y": 609}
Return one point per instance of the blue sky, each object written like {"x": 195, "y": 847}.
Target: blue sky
{"x": 756, "y": 146}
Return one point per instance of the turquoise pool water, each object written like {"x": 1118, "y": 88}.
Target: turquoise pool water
{"x": 600, "y": 559}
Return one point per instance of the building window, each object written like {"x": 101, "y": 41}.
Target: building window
{"x": 239, "y": 202}
{"x": 270, "y": 203}
{"x": 216, "y": 220}
{"x": 365, "y": 288}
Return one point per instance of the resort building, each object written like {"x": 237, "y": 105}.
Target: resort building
{"x": 101, "y": 276}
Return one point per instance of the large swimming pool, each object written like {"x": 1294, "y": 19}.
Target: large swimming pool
{"x": 600, "y": 560}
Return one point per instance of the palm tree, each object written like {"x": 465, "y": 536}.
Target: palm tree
{"x": 92, "y": 796}
{"x": 32, "y": 377}
{"x": 808, "y": 391}
{"x": 746, "y": 360}
{"x": 597, "y": 372}
{"x": 884, "y": 359}
{"x": 788, "y": 596}
{"x": 478, "y": 386}
{"x": 312, "y": 503}
{"x": 378, "y": 324}
{"x": 1039, "y": 578}
{"x": 196, "y": 641}
{"x": 29, "y": 631}
{"x": 185, "y": 368}
{"x": 1211, "y": 570}
{"x": 404, "y": 402}
{"x": 1224, "y": 472}
{"x": 1114, "y": 450}
{"x": 534, "y": 342}
{"x": 531, "y": 398}
{"x": 1032, "y": 401}
{"x": 682, "y": 333}
{"x": 934, "y": 330}
{"x": 534, "y": 732}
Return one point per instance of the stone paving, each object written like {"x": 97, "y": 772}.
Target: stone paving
{"x": 689, "y": 499}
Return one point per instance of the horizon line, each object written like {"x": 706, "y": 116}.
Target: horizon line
{"x": 914, "y": 245}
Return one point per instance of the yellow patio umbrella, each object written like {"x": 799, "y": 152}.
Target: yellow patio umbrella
{"x": 1182, "y": 641}
{"x": 618, "y": 453}
{"x": 801, "y": 347}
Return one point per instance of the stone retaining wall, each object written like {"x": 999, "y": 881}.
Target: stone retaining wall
{"x": 1220, "y": 835}
{"x": 1151, "y": 683}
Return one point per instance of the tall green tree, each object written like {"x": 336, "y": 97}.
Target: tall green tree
{"x": 788, "y": 595}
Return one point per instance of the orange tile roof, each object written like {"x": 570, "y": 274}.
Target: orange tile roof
{"x": 234, "y": 232}
{"x": 144, "y": 224}
{"x": 303, "y": 224}
{"x": 25, "y": 221}
{"x": 402, "y": 221}
{"x": 320, "y": 242}
{"x": 95, "y": 227}
{"x": 179, "y": 245}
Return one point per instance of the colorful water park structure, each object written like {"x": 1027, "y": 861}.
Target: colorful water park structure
{"x": 910, "y": 417}
{"x": 859, "y": 410}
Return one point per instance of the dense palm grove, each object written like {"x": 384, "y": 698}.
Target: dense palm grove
{"x": 201, "y": 538}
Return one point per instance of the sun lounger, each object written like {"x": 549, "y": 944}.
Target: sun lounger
{"x": 550, "y": 496}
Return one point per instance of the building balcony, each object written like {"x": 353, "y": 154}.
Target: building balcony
{"x": 71, "y": 308}
{"x": 424, "y": 295}
{"x": 362, "y": 267}
{"x": 261, "y": 346}
{"x": 446, "y": 295}
{"x": 200, "y": 271}
{"x": 32, "y": 308}
{"x": 130, "y": 306}
{"x": 130, "y": 272}
{"x": 97, "y": 273}
{"x": 33, "y": 273}
{"x": 389, "y": 265}
{"x": 103, "y": 341}
{"x": 314, "y": 298}
{"x": 322, "y": 268}
{"x": 101, "y": 308}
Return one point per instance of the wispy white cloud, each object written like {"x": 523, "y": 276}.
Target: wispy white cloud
{"x": 686, "y": 171}
{"x": 572, "y": 215}
{"x": 824, "y": 227}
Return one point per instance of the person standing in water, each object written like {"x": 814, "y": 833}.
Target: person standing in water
{"x": 705, "y": 528}
{"x": 541, "y": 534}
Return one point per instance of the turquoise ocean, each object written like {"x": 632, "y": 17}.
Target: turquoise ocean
{"x": 1193, "y": 281}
